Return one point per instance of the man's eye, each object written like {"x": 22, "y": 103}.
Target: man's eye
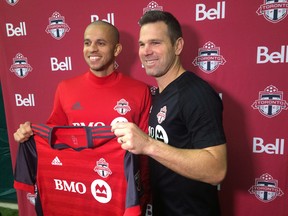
{"x": 155, "y": 42}
{"x": 101, "y": 43}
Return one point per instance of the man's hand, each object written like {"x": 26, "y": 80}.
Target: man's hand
{"x": 23, "y": 133}
{"x": 131, "y": 137}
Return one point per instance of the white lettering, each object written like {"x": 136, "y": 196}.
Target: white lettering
{"x": 148, "y": 210}
{"x": 275, "y": 57}
{"x": 24, "y": 101}
{"x": 90, "y": 124}
{"x": 151, "y": 131}
{"x": 63, "y": 66}
{"x": 94, "y": 18}
{"x": 17, "y": 31}
{"x": 269, "y": 148}
{"x": 74, "y": 187}
{"x": 211, "y": 14}
{"x": 110, "y": 18}
{"x": 58, "y": 184}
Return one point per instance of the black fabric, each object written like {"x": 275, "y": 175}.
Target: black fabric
{"x": 187, "y": 114}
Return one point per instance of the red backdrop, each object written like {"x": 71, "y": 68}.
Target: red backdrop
{"x": 240, "y": 47}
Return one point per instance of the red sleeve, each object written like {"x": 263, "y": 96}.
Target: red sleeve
{"x": 24, "y": 187}
{"x": 58, "y": 116}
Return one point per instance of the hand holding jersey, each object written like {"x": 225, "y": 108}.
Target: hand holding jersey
{"x": 186, "y": 162}
{"x": 131, "y": 137}
{"x": 99, "y": 97}
{"x": 23, "y": 133}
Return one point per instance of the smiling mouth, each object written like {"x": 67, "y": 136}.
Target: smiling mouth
{"x": 150, "y": 62}
{"x": 94, "y": 58}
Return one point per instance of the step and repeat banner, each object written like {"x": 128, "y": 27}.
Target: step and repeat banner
{"x": 239, "y": 47}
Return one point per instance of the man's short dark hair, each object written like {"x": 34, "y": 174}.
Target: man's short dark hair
{"x": 153, "y": 16}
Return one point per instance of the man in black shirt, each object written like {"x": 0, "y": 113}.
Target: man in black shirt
{"x": 186, "y": 141}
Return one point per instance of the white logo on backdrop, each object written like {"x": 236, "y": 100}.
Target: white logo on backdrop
{"x": 12, "y": 2}
{"x": 57, "y": 27}
{"x": 20, "y": 66}
{"x": 152, "y": 6}
{"x": 270, "y": 102}
{"x": 273, "y": 10}
{"x": 266, "y": 188}
{"x": 209, "y": 58}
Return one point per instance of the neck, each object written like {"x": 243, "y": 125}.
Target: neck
{"x": 169, "y": 77}
{"x": 103, "y": 72}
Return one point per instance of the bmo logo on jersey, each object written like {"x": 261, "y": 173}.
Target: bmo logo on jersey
{"x": 100, "y": 190}
{"x": 96, "y": 124}
{"x": 110, "y": 18}
{"x": 278, "y": 56}
{"x": 259, "y": 146}
{"x": 211, "y": 14}
{"x": 158, "y": 133}
{"x": 24, "y": 101}
{"x": 65, "y": 65}
{"x": 16, "y": 31}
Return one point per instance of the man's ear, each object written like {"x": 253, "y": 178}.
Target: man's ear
{"x": 179, "y": 44}
{"x": 118, "y": 49}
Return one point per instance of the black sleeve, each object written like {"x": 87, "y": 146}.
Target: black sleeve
{"x": 26, "y": 162}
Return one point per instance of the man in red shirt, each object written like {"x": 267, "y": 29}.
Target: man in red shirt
{"x": 99, "y": 97}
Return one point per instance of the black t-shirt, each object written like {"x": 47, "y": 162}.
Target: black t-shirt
{"x": 187, "y": 114}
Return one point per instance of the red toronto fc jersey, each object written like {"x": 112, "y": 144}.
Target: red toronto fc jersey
{"x": 78, "y": 171}
{"x": 88, "y": 100}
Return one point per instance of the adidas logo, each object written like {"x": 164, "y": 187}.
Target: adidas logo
{"x": 56, "y": 162}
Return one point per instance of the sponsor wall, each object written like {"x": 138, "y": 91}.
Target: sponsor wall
{"x": 241, "y": 48}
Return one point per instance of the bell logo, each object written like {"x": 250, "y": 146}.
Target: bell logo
{"x": 110, "y": 18}
{"x": 17, "y": 31}
{"x": 269, "y": 148}
{"x": 275, "y": 57}
{"x": 211, "y": 14}
{"x": 20, "y": 101}
{"x": 63, "y": 66}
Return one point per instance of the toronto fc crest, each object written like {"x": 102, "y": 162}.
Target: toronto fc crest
{"x": 122, "y": 107}
{"x": 20, "y": 66}
{"x": 266, "y": 188}
{"x": 152, "y": 6}
{"x": 57, "y": 27}
{"x": 102, "y": 168}
{"x": 12, "y": 2}
{"x": 209, "y": 58}
{"x": 270, "y": 102}
{"x": 273, "y": 10}
{"x": 161, "y": 116}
